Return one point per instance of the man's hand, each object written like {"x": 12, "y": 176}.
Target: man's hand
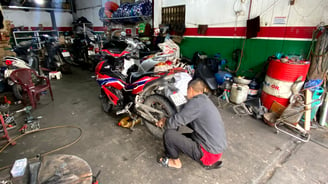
{"x": 161, "y": 122}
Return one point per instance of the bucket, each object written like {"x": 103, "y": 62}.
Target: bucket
{"x": 279, "y": 79}
{"x": 222, "y": 76}
{"x": 239, "y": 93}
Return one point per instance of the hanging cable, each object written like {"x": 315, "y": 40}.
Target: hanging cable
{"x": 243, "y": 47}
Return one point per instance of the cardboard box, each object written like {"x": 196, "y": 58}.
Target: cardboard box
{"x": 2, "y": 53}
{"x": 4, "y": 43}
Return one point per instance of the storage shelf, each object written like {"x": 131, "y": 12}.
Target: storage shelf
{"x": 24, "y": 38}
{"x": 29, "y": 35}
{"x": 127, "y": 20}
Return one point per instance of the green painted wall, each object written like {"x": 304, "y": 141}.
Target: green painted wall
{"x": 256, "y": 51}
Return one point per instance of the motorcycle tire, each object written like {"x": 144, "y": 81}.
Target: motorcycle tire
{"x": 64, "y": 67}
{"x": 160, "y": 103}
{"x": 106, "y": 105}
{"x": 18, "y": 92}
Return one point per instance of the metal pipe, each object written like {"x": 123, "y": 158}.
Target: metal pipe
{"x": 37, "y": 8}
{"x": 323, "y": 113}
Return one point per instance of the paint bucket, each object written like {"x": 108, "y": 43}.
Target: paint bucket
{"x": 239, "y": 93}
{"x": 279, "y": 79}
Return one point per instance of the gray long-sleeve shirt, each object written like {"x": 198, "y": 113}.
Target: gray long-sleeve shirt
{"x": 204, "y": 118}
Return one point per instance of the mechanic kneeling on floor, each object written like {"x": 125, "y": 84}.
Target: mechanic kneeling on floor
{"x": 207, "y": 141}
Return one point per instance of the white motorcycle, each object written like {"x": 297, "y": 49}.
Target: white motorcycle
{"x": 26, "y": 58}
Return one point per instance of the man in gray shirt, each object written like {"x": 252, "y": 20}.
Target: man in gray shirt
{"x": 207, "y": 141}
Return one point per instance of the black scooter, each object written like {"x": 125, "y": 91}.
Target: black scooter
{"x": 53, "y": 60}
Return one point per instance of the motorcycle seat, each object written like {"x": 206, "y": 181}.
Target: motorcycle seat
{"x": 24, "y": 44}
{"x": 134, "y": 76}
{"x": 115, "y": 50}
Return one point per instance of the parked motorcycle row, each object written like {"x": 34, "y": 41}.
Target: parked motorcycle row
{"x": 82, "y": 45}
{"x": 28, "y": 55}
{"x": 46, "y": 54}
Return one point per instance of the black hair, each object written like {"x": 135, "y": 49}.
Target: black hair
{"x": 197, "y": 85}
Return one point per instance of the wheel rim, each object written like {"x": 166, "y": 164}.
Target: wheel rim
{"x": 157, "y": 131}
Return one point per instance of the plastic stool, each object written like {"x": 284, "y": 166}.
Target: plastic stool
{"x": 55, "y": 75}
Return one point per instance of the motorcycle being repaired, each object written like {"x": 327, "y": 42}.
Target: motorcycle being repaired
{"x": 151, "y": 94}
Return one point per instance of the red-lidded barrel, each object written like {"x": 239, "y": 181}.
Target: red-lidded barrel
{"x": 279, "y": 79}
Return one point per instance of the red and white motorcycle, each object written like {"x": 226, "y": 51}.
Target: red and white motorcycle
{"x": 152, "y": 95}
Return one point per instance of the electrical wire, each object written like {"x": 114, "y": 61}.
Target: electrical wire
{"x": 285, "y": 32}
{"x": 271, "y": 6}
{"x": 311, "y": 12}
{"x": 243, "y": 47}
{"x": 44, "y": 129}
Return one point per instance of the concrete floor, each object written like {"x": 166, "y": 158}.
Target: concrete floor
{"x": 255, "y": 153}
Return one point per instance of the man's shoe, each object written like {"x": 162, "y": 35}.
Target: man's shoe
{"x": 216, "y": 165}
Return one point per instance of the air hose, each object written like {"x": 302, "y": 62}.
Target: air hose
{"x": 44, "y": 129}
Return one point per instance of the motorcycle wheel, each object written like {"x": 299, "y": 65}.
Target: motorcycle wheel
{"x": 105, "y": 102}
{"x": 63, "y": 67}
{"x": 18, "y": 92}
{"x": 160, "y": 103}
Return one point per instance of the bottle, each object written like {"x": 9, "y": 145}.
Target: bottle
{"x": 253, "y": 88}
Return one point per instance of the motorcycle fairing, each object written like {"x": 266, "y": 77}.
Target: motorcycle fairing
{"x": 105, "y": 80}
{"x": 110, "y": 95}
{"x": 116, "y": 55}
{"x": 139, "y": 84}
{"x": 99, "y": 66}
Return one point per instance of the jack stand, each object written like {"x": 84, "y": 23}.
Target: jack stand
{"x": 6, "y": 136}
